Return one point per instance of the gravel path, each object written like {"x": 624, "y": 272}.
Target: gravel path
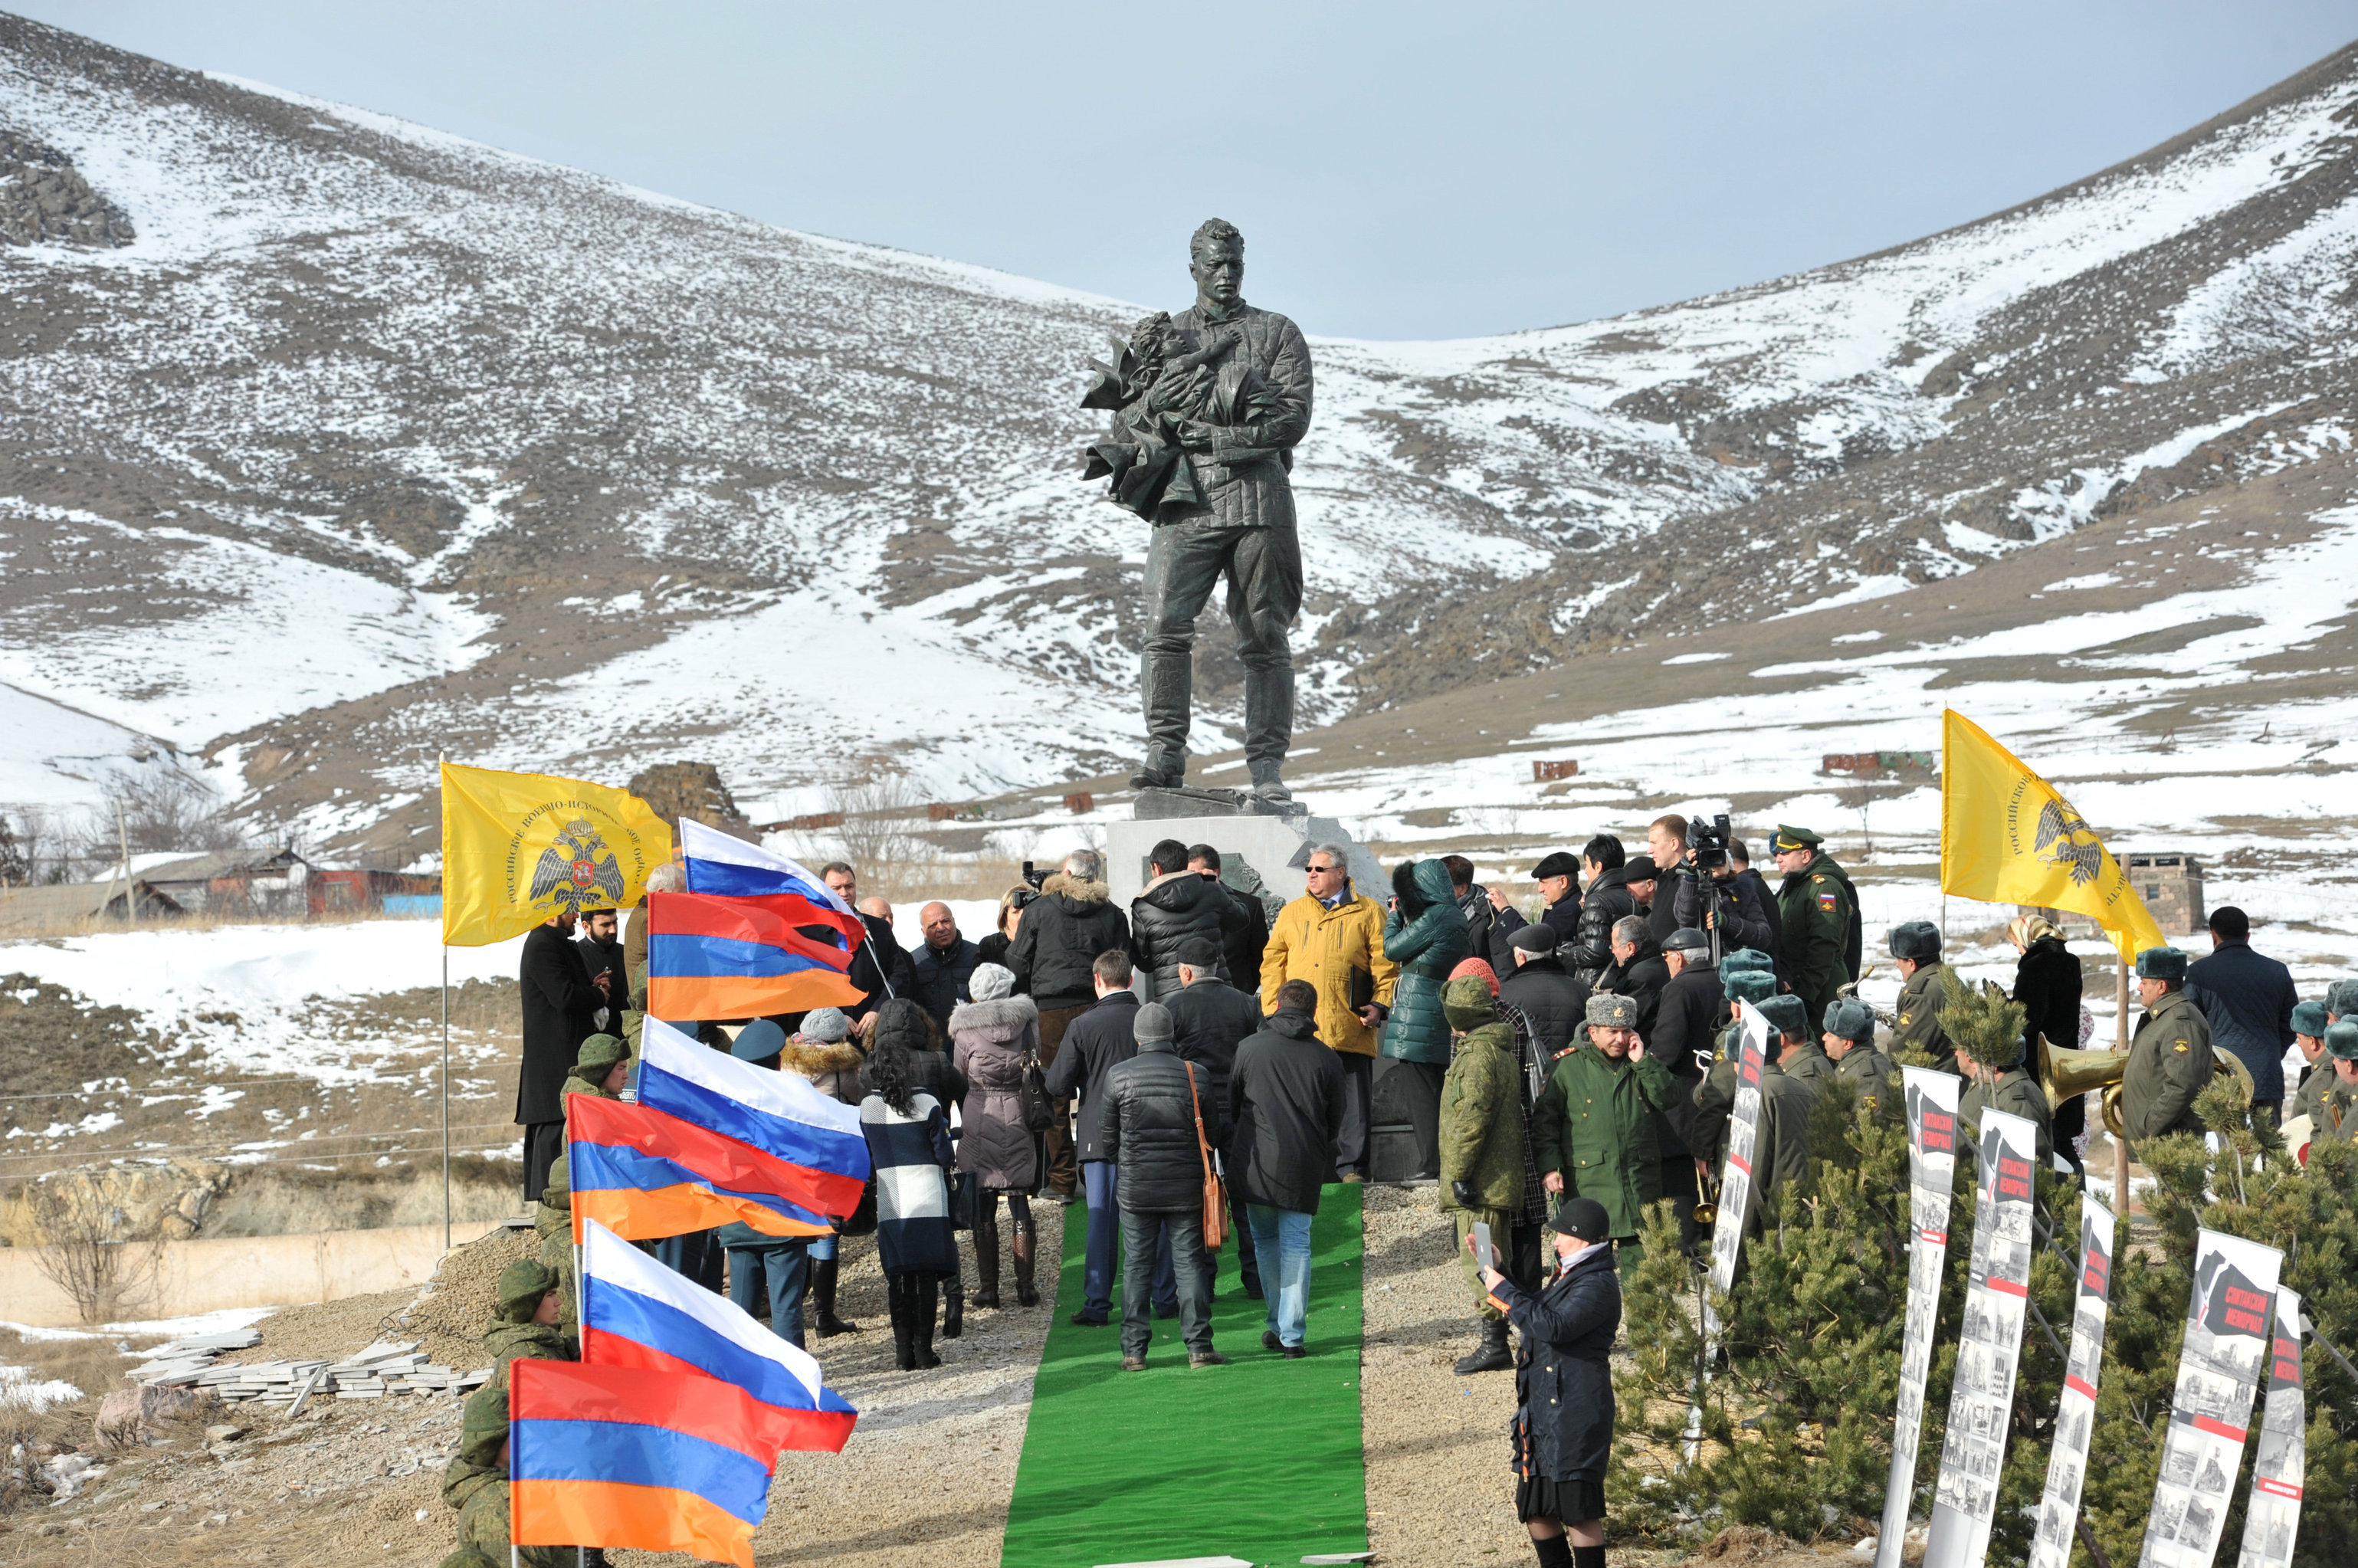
{"x": 1439, "y": 1495}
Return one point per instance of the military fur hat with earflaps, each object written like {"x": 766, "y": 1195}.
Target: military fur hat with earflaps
{"x": 1984, "y": 1023}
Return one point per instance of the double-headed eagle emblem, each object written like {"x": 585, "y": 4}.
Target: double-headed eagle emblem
{"x": 2064, "y": 838}
{"x": 578, "y": 870}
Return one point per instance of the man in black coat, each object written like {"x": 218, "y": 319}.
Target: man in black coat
{"x": 1149, "y": 1121}
{"x": 1244, "y": 924}
{"x": 1285, "y": 1119}
{"x": 1175, "y": 909}
{"x": 1559, "y": 884}
{"x": 878, "y": 968}
{"x": 559, "y": 1002}
{"x": 1736, "y": 906}
{"x": 1555, "y": 1001}
{"x": 1209, "y": 1019}
{"x": 2248, "y": 999}
{"x": 601, "y": 954}
{"x": 1100, "y": 1039}
{"x": 1608, "y": 898}
{"x": 1762, "y": 898}
{"x": 1686, "y": 1020}
{"x": 1637, "y": 971}
{"x": 1064, "y": 932}
{"x": 940, "y": 968}
{"x": 1474, "y": 904}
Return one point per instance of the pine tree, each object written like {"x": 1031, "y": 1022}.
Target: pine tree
{"x": 2250, "y": 1188}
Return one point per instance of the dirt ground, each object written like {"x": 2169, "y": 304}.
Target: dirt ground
{"x": 924, "y": 1482}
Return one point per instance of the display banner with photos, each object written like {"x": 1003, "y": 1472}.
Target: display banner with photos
{"x": 2280, "y": 1464}
{"x": 1931, "y": 1102}
{"x": 2075, "y": 1413}
{"x": 1989, "y": 1343}
{"x": 2230, "y": 1331}
{"x": 1734, "y": 1196}
{"x": 1743, "y": 1138}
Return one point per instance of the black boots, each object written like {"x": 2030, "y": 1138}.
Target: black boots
{"x": 914, "y": 1302}
{"x": 953, "y": 1310}
{"x": 1492, "y": 1354}
{"x": 823, "y": 1274}
{"x": 986, "y": 1261}
{"x": 1021, "y": 1243}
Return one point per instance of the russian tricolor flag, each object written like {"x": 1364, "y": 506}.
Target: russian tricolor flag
{"x": 636, "y": 1313}
{"x": 668, "y": 1461}
{"x": 734, "y": 945}
{"x": 723, "y": 867}
{"x": 812, "y": 1138}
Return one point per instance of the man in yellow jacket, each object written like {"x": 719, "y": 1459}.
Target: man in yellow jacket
{"x": 1334, "y": 937}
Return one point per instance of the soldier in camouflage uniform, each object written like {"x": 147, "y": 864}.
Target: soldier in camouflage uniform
{"x": 1781, "y": 1154}
{"x": 1818, "y": 922}
{"x": 2337, "y": 1106}
{"x": 552, "y": 1221}
{"x": 603, "y": 1067}
{"x": 1916, "y": 945}
{"x": 1849, "y": 1040}
{"x": 476, "y": 1484}
{"x": 2310, "y": 1021}
{"x": 2171, "y": 1057}
{"x": 1746, "y": 975}
{"x": 528, "y": 1322}
{"x": 1997, "y": 1081}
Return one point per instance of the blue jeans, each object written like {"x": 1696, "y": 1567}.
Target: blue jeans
{"x": 1281, "y": 1237}
{"x": 787, "y": 1265}
{"x": 1098, "y": 1185}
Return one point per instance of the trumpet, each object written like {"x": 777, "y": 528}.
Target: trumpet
{"x": 2070, "y": 1074}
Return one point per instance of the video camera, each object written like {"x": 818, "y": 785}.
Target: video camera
{"x": 1034, "y": 876}
{"x": 1709, "y": 843}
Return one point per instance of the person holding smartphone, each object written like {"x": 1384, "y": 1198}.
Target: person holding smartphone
{"x": 1563, "y": 1386}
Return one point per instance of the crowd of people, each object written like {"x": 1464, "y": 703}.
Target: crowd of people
{"x": 1561, "y": 1072}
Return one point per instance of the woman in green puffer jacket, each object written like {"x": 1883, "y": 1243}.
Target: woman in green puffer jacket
{"x": 1426, "y": 936}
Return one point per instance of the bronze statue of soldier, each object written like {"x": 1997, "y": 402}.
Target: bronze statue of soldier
{"x": 1208, "y": 406}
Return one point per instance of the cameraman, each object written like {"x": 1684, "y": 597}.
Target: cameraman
{"x": 1734, "y": 906}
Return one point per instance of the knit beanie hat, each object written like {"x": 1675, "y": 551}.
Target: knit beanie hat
{"x": 1480, "y": 969}
{"x": 522, "y": 1285}
{"x": 990, "y": 982}
{"x": 1153, "y": 1023}
{"x": 1469, "y": 1003}
{"x": 826, "y": 1025}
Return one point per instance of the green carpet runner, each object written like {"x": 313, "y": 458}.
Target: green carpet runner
{"x": 1259, "y": 1460}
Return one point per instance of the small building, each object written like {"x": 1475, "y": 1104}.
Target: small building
{"x": 2171, "y": 886}
{"x": 261, "y": 881}
{"x": 364, "y": 890}
{"x": 63, "y": 908}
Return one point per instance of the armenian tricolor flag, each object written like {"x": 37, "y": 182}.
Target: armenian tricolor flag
{"x": 645, "y": 1175}
{"x": 640, "y": 1314}
{"x": 737, "y": 957}
{"x": 669, "y": 1461}
{"x": 812, "y": 1138}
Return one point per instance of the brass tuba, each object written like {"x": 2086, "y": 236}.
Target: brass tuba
{"x": 2070, "y": 1074}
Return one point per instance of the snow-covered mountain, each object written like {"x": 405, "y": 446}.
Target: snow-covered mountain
{"x": 332, "y": 443}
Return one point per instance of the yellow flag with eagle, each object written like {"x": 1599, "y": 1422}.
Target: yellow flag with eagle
{"x": 2009, "y": 837}
{"x": 518, "y": 847}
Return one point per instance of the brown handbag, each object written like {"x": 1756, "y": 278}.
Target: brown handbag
{"x": 1215, "y": 1192}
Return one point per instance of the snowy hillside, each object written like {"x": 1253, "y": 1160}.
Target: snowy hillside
{"x": 374, "y": 443}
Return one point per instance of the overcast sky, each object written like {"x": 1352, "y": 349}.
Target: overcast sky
{"x": 1400, "y": 171}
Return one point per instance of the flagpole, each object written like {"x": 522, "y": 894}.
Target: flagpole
{"x": 2121, "y": 1042}
{"x": 440, "y": 760}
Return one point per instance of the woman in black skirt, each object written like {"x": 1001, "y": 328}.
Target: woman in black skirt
{"x": 1563, "y": 1388}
